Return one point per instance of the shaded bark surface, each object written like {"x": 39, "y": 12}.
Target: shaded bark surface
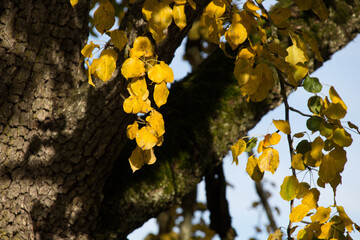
{"x": 64, "y": 172}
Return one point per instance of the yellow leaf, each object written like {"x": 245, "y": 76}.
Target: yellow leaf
{"x": 106, "y": 64}
{"x": 335, "y": 111}
{"x": 299, "y": 212}
{"x": 282, "y": 126}
{"x": 135, "y": 105}
{"x": 345, "y": 218}
{"x": 132, "y": 67}
{"x": 289, "y": 188}
{"x": 339, "y": 158}
{"x": 73, "y": 2}
{"x": 246, "y": 53}
{"x": 322, "y": 215}
{"x": 342, "y": 137}
{"x": 118, "y": 38}
{"x": 326, "y": 231}
{"x": 252, "y": 168}
{"x": 295, "y": 55}
{"x": 260, "y": 147}
{"x": 146, "y": 138}
{"x": 252, "y": 84}
{"x": 156, "y": 122}
{"x": 298, "y": 162}
{"x": 179, "y": 15}
{"x": 215, "y": 28}
{"x": 142, "y": 47}
{"x": 269, "y": 160}
{"x": 161, "y": 15}
{"x": 274, "y": 138}
{"x": 104, "y": 17}
{"x": 161, "y": 72}
{"x": 335, "y": 98}
{"x": 180, "y": 1}
{"x": 139, "y": 157}
{"x": 215, "y": 8}
{"x": 192, "y": 4}
{"x": 131, "y": 130}
{"x": 316, "y": 148}
{"x": 311, "y": 198}
{"x": 87, "y": 50}
{"x": 320, "y": 9}
{"x": 89, "y": 74}
{"x": 137, "y": 87}
{"x": 300, "y": 71}
{"x": 236, "y": 35}
{"x": 303, "y": 190}
{"x": 266, "y": 82}
{"x": 161, "y": 93}
{"x": 237, "y": 149}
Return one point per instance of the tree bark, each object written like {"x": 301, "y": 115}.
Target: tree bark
{"x": 64, "y": 172}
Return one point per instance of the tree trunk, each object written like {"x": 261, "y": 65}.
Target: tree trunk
{"x": 64, "y": 172}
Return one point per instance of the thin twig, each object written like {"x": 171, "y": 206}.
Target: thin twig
{"x": 299, "y": 112}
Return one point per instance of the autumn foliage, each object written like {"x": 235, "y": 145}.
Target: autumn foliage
{"x": 251, "y": 35}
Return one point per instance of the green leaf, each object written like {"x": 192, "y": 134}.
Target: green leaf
{"x": 251, "y": 144}
{"x": 303, "y": 147}
{"x": 315, "y": 104}
{"x": 312, "y": 85}
{"x": 289, "y": 188}
{"x": 314, "y": 123}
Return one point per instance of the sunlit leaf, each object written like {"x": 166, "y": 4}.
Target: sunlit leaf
{"x": 282, "y": 125}
{"x": 131, "y": 130}
{"x": 156, "y": 122}
{"x": 132, "y": 67}
{"x": 316, "y": 148}
{"x": 140, "y": 157}
{"x": 311, "y": 198}
{"x": 161, "y": 93}
{"x": 89, "y": 74}
{"x": 106, "y": 64}
{"x": 237, "y": 149}
{"x": 252, "y": 168}
{"x": 138, "y": 87}
{"x": 269, "y": 160}
{"x": 298, "y": 162}
{"x": 142, "y": 47}
{"x": 295, "y": 55}
{"x": 236, "y": 35}
{"x": 104, "y": 17}
{"x": 335, "y": 98}
{"x": 335, "y": 111}
{"x": 161, "y": 72}
{"x": 299, "y": 212}
{"x": 88, "y": 49}
{"x": 274, "y": 138}
{"x": 73, "y": 2}
{"x": 179, "y": 15}
{"x": 326, "y": 230}
{"x": 215, "y": 8}
{"x": 146, "y": 138}
{"x": 322, "y": 215}
{"x": 289, "y": 188}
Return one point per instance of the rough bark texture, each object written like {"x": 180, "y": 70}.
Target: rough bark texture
{"x": 64, "y": 172}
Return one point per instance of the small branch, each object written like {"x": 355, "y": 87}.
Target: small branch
{"x": 287, "y": 118}
{"x": 301, "y": 113}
